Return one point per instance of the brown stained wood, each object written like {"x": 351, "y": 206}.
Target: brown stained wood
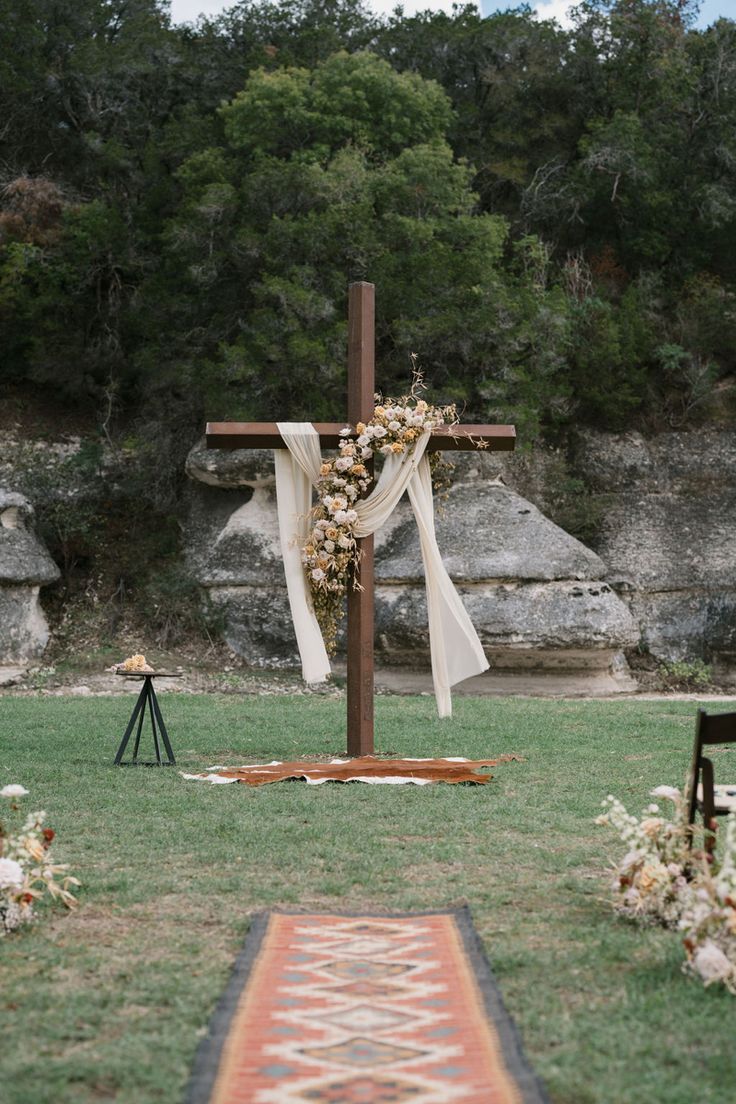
{"x": 459, "y": 438}
{"x": 361, "y": 389}
{"x": 361, "y": 352}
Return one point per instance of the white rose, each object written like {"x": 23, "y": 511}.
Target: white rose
{"x": 366, "y": 453}
{"x": 394, "y": 426}
{"x": 329, "y": 546}
{"x": 351, "y": 516}
{"x": 363, "y": 440}
{"x": 711, "y": 963}
{"x": 351, "y": 492}
{"x": 317, "y": 574}
{"x": 339, "y": 482}
{"x": 11, "y": 872}
{"x": 379, "y": 431}
{"x": 386, "y": 450}
{"x": 323, "y": 523}
{"x": 417, "y": 420}
{"x": 327, "y": 501}
{"x": 318, "y": 535}
{"x": 13, "y": 790}
{"x": 343, "y": 463}
{"x": 344, "y": 542}
{"x": 341, "y": 516}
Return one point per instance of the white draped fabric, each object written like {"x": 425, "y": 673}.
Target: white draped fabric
{"x": 455, "y": 649}
{"x": 297, "y": 468}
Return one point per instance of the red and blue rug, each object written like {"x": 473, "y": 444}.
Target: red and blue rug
{"x": 336, "y": 1009}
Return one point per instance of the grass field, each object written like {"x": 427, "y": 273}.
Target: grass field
{"x": 109, "y": 1002}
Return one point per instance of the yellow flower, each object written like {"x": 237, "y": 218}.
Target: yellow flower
{"x": 651, "y": 826}
{"x": 331, "y": 533}
{"x": 360, "y": 428}
{"x": 325, "y": 469}
{"x": 397, "y": 447}
{"x": 358, "y": 469}
{"x": 410, "y": 434}
{"x": 380, "y": 411}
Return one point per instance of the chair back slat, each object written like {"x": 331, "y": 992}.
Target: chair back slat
{"x": 711, "y": 728}
{"x": 716, "y": 728}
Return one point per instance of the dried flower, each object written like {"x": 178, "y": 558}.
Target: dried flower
{"x": 27, "y": 870}
{"x": 331, "y": 558}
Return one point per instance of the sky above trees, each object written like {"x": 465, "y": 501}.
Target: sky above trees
{"x": 183, "y": 11}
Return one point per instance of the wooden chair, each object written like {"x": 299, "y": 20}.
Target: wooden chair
{"x": 713, "y": 800}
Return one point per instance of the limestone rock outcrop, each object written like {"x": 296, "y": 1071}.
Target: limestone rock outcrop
{"x": 668, "y": 532}
{"x": 25, "y": 566}
{"x": 535, "y": 594}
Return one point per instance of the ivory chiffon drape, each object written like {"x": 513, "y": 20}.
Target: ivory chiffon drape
{"x": 456, "y": 651}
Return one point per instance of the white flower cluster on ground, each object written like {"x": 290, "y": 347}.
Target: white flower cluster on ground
{"x": 27, "y": 869}
{"x": 662, "y": 879}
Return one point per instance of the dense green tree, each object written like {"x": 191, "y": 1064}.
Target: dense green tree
{"x": 554, "y": 234}
{"x": 333, "y": 174}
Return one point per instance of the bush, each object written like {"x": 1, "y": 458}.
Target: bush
{"x": 685, "y": 675}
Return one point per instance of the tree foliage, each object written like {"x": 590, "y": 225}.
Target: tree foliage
{"x": 549, "y": 215}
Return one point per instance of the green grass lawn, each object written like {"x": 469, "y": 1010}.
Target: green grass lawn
{"x": 109, "y": 1002}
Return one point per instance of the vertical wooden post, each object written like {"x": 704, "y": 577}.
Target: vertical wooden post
{"x": 361, "y": 389}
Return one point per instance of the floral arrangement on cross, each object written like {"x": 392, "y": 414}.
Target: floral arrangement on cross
{"x": 27, "y": 868}
{"x": 331, "y": 555}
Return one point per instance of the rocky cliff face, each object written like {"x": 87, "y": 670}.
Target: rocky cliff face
{"x": 668, "y": 536}
{"x": 659, "y": 574}
{"x": 537, "y": 596}
{"x": 25, "y": 566}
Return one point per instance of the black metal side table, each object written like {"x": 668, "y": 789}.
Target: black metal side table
{"x": 146, "y": 698}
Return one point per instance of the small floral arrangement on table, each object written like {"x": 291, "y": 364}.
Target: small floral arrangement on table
{"x": 330, "y": 555}
{"x": 27, "y": 869}
{"x": 133, "y": 665}
{"x": 661, "y": 879}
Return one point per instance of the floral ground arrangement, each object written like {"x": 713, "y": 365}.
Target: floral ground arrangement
{"x": 28, "y": 872}
{"x": 666, "y": 877}
{"x": 108, "y": 1002}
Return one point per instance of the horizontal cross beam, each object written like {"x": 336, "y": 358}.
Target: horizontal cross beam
{"x": 463, "y": 438}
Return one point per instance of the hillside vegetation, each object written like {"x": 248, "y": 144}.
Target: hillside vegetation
{"x": 549, "y": 217}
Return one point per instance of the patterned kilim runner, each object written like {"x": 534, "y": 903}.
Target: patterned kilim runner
{"x": 342, "y": 1009}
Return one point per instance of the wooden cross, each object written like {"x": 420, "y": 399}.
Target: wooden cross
{"x": 361, "y": 401}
